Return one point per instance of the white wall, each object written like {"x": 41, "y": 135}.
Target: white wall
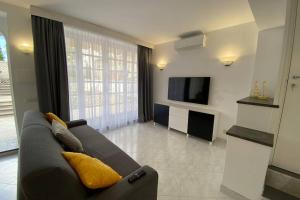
{"x": 21, "y": 65}
{"x": 268, "y": 58}
{"x": 229, "y": 84}
{"x": 3, "y": 26}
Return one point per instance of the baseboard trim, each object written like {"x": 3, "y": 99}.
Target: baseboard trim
{"x": 232, "y": 193}
{"x": 10, "y": 152}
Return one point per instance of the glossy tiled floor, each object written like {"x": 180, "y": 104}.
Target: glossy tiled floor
{"x": 189, "y": 168}
{"x": 8, "y": 177}
{"x": 8, "y": 135}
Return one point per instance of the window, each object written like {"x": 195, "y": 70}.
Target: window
{"x": 102, "y": 75}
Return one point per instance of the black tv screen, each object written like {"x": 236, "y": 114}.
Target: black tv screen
{"x": 189, "y": 89}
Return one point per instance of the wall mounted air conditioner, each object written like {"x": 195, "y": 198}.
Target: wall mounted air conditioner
{"x": 191, "y": 42}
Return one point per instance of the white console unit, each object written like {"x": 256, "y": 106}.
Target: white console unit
{"x": 200, "y": 121}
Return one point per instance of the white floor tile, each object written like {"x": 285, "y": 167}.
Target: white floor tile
{"x": 189, "y": 168}
{"x": 8, "y": 177}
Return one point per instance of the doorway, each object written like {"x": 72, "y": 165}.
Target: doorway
{"x": 8, "y": 134}
{"x": 287, "y": 151}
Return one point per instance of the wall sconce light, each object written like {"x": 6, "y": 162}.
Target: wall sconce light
{"x": 228, "y": 61}
{"x": 26, "y": 48}
{"x": 161, "y": 65}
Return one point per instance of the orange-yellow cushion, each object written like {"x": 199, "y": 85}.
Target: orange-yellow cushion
{"x": 92, "y": 172}
{"x": 51, "y": 116}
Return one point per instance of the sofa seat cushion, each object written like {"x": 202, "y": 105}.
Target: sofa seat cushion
{"x": 97, "y": 145}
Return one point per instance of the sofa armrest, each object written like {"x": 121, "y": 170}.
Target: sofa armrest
{"x": 144, "y": 188}
{"x": 75, "y": 123}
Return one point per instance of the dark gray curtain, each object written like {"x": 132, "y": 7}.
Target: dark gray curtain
{"x": 51, "y": 66}
{"x": 145, "y": 96}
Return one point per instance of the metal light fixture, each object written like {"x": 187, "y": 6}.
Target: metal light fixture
{"x": 26, "y": 48}
{"x": 228, "y": 61}
{"x": 161, "y": 65}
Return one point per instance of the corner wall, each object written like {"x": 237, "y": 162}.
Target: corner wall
{"x": 268, "y": 58}
{"x": 228, "y": 84}
{"x": 21, "y": 66}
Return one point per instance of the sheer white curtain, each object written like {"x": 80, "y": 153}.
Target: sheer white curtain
{"x": 102, "y": 75}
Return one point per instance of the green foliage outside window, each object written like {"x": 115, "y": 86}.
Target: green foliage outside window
{"x": 1, "y": 55}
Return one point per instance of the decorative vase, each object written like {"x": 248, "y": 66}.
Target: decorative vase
{"x": 256, "y": 90}
{"x": 264, "y": 94}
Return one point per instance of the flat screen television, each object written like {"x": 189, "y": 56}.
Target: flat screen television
{"x": 189, "y": 89}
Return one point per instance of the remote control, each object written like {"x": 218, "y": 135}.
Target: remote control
{"x": 136, "y": 176}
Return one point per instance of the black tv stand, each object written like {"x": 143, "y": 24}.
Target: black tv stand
{"x": 199, "y": 121}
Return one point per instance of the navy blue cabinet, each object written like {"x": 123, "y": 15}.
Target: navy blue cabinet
{"x": 161, "y": 114}
{"x": 201, "y": 125}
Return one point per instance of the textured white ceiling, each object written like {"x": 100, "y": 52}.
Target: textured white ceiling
{"x": 268, "y": 13}
{"x": 154, "y": 21}
{"x": 159, "y": 21}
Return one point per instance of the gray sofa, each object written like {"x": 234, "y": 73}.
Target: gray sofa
{"x": 45, "y": 174}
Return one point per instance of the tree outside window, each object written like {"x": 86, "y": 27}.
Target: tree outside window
{"x": 3, "y": 56}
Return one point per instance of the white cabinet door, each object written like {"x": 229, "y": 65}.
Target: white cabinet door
{"x": 181, "y": 112}
{"x": 287, "y": 150}
{"x": 178, "y": 119}
{"x": 178, "y": 123}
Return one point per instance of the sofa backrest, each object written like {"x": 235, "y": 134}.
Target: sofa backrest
{"x": 43, "y": 172}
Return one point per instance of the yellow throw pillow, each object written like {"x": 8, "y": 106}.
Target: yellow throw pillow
{"x": 92, "y": 172}
{"x": 51, "y": 116}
